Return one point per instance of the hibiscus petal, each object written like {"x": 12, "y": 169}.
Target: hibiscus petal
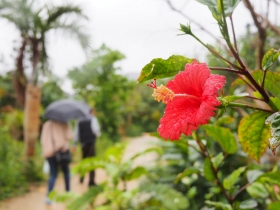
{"x": 205, "y": 112}
{"x": 178, "y": 118}
{"x": 213, "y": 84}
{"x": 190, "y": 81}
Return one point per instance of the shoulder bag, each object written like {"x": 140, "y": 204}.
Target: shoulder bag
{"x": 61, "y": 157}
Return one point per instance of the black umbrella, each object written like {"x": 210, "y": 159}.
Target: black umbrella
{"x": 67, "y": 109}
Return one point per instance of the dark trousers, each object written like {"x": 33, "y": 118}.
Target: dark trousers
{"x": 54, "y": 166}
{"x": 88, "y": 150}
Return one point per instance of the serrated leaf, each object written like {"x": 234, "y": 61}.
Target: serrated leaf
{"x": 274, "y": 206}
{"x": 253, "y": 134}
{"x": 269, "y": 58}
{"x": 257, "y": 190}
{"x": 186, "y": 172}
{"x": 233, "y": 177}
{"x": 223, "y": 136}
{"x": 208, "y": 173}
{"x": 270, "y": 177}
{"x": 160, "y": 68}
{"x": 252, "y": 175}
{"x": 248, "y": 204}
{"x": 219, "y": 205}
{"x": 272, "y": 81}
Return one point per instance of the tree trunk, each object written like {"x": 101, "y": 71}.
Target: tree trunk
{"x": 19, "y": 81}
{"x": 32, "y": 104}
{"x": 31, "y": 118}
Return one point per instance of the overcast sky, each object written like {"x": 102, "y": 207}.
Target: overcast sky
{"x": 140, "y": 29}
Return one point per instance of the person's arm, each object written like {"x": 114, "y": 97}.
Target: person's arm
{"x": 95, "y": 126}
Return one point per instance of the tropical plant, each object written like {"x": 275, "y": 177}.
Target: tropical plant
{"x": 14, "y": 173}
{"x": 191, "y": 99}
{"x": 99, "y": 83}
{"x": 34, "y": 21}
{"x": 113, "y": 193}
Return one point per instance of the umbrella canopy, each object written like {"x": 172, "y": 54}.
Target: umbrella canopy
{"x": 67, "y": 109}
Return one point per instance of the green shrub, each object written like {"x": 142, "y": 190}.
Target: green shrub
{"x": 15, "y": 173}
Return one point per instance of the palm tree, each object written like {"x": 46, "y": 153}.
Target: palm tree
{"x": 34, "y": 21}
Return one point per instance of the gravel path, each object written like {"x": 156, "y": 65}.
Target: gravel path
{"x": 35, "y": 199}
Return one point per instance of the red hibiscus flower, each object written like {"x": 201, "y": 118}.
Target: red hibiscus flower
{"x": 191, "y": 99}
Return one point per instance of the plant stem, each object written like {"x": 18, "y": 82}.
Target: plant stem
{"x": 233, "y": 32}
{"x": 232, "y": 104}
{"x": 254, "y": 98}
{"x": 240, "y": 190}
{"x": 215, "y": 172}
{"x": 244, "y": 80}
{"x": 264, "y": 75}
{"x": 215, "y": 53}
{"x": 226, "y": 69}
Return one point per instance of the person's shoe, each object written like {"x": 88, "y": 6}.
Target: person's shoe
{"x": 48, "y": 201}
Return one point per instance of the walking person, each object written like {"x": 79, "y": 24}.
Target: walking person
{"x": 55, "y": 137}
{"x": 86, "y": 132}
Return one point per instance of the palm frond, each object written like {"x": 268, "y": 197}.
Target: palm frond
{"x": 74, "y": 30}
{"x": 19, "y": 12}
{"x": 57, "y": 12}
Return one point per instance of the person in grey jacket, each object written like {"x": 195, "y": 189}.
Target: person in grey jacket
{"x": 86, "y": 132}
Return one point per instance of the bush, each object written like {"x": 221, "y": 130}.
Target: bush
{"x": 14, "y": 174}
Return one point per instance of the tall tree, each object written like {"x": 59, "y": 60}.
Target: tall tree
{"x": 34, "y": 21}
{"x": 98, "y": 83}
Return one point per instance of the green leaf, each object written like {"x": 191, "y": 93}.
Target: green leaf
{"x": 160, "y": 68}
{"x": 136, "y": 173}
{"x": 248, "y": 204}
{"x": 186, "y": 29}
{"x": 223, "y": 136}
{"x": 218, "y": 160}
{"x": 252, "y": 175}
{"x": 229, "y": 5}
{"x": 225, "y": 119}
{"x": 85, "y": 198}
{"x": 274, "y": 206}
{"x": 274, "y": 122}
{"x": 235, "y": 97}
{"x": 254, "y": 134}
{"x": 233, "y": 177}
{"x": 162, "y": 195}
{"x": 276, "y": 102}
{"x": 270, "y": 177}
{"x": 115, "y": 153}
{"x": 208, "y": 173}
{"x": 186, "y": 172}
{"x": 219, "y": 205}
{"x": 272, "y": 81}
{"x": 154, "y": 149}
{"x": 257, "y": 190}
{"x": 269, "y": 58}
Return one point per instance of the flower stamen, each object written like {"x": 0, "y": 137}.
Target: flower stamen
{"x": 164, "y": 94}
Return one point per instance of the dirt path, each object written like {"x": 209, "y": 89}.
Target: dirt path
{"x": 35, "y": 200}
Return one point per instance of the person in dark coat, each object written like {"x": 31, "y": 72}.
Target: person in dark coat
{"x": 86, "y": 132}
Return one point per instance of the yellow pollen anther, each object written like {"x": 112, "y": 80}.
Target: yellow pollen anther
{"x": 162, "y": 93}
